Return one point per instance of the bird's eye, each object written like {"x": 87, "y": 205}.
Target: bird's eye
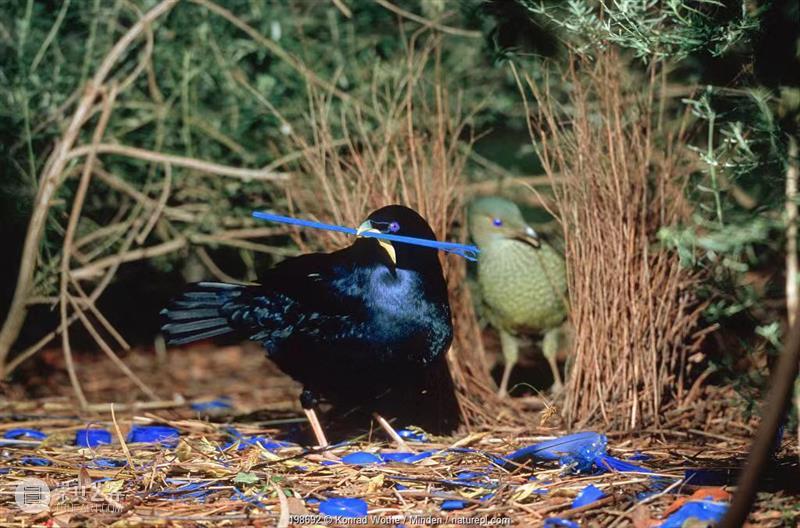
{"x": 394, "y": 227}
{"x": 497, "y": 222}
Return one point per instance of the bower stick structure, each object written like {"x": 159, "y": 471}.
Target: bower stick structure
{"x": 617, "y": 180}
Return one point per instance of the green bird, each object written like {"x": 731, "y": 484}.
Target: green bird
{"x": 523, "y": 281}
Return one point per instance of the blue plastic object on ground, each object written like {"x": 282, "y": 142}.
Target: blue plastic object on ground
{"x": 186, "y": 490}
{"x": 588, "y": 495}
{"x": 614, "y": 464}
{"x": 267, "y": 443}
{"x": 469, "y": 475}
{"x": 102, "y": 463}
{"x": 248, "y": 441}
{"x": 453, "y": 504}
{"x": 162, "y": 434}
{"x": 343, "y": 507}
{"x": 34, "y": 461}
{"x": 361, "y": 458}
{"x": 219, "y": 403}
{"x": 397, "y": 457}
{"x": 92, "y": 437}
{"x": 703, "y": 511}
{"x": 555, "y": 522}
{"x": 579, "y": 452}
{"x": 413, "y": 436}
{"x": 406, "y": 458}
{"x": 24, "y": 434}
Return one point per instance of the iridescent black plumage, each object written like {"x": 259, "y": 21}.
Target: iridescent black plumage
{"x": 352, "y": 325}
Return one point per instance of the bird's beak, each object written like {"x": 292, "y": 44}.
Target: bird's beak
{"x": 366, "y": 227}
{"x": 529, "y": 235}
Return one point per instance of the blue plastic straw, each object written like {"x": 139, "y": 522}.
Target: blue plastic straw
{"x": 466, "y": 251}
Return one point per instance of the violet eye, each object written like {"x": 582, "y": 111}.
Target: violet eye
{"x": 497, "y": 222}
{"x": 394, "y": 227}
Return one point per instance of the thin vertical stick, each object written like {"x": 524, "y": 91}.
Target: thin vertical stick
{"x": 77, "y": 206}
{"x": 791, "y": 232}
{"x": 121, "y": 439}
{"x": 791, "y": 250}
{"x": 773, "y": 410}
{"x": 392, "y": 433}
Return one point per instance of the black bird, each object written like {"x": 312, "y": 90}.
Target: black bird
{"x": 362, "y": 326}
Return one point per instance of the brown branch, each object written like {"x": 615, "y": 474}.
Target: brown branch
{"x": 773, "y": 411}
{"x": 176, "y": 213}
{"x": 77, "y": 206}
{"x": 98, "y": 290}
{"x": 215, "y": 270}
{"x": 159, "y": 208}
{"x": 50, "y": 180}
{"x": 241, "y": 244}
{"x": 84, "y": 302}
{"x": 429, "y": 23}
{"x": 181, "y": 161}
{"x": 98, "y": 266}
{"x": 110, "y": 353}
{"x": 791, "y": 232}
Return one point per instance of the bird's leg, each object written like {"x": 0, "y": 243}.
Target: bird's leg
{"x": 510, "y": 347}
{"x": 308, "y": 400}
{"x": 392, "y": 433}
{"x": 550, "y": 350}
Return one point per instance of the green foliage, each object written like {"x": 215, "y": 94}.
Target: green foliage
{"x": 652, "y": 29}
{"x": 246, "y": 478}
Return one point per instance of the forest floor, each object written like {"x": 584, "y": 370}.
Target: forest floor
{"x": 235, "y": 461}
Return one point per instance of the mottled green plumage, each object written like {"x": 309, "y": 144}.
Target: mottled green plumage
{"x": 522, "y": 279}
{"x": 523, "y": 286}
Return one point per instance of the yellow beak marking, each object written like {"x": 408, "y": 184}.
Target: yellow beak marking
{"x": 366, "y": 227}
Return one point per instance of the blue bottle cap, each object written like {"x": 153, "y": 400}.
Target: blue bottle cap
{"x": 453, "y": 504}
{"x": 24, "y": 434}
{"x": 412, "y": 435}
{"x": 588, "y": 495}
{"x": 153, "y": 433}
{"x": 34, "y": 461}
{"x": 343, "y": 507}
{"x": 92, "y": 437}
{"x": 361, "y": 458}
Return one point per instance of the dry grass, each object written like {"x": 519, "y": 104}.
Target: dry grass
{"x": 621, "y": 177}
{"x": 198, "y": 483}
{"x": 405, "y": 147}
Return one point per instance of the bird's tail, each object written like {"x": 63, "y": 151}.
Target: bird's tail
{"x": 198, "y": 312}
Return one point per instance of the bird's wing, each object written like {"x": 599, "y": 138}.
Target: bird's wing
{"x": 322, "y": 282}
{"x": 297, "y": 293}
{"x": 312, "y": 295}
